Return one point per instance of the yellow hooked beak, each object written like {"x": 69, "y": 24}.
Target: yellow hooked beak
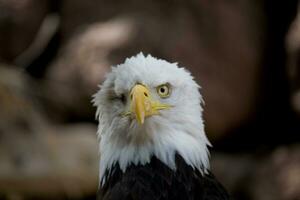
{"x": 142, "y": 105}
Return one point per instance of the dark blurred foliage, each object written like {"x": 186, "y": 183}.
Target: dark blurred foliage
{"x": 53, "y": 54}
{"x": 274, "y": 114}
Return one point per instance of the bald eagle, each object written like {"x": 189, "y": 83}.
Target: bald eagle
{"x": 152, "y": 140}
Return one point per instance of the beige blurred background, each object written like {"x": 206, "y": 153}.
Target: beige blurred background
{"x": 54, "y": 53}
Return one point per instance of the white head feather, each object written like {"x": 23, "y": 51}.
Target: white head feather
{"x": 179, "y": 129}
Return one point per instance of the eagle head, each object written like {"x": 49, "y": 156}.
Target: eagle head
{"x": 149, "y": 107}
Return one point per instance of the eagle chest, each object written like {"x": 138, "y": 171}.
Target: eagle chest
{"x": 155, "y": 180}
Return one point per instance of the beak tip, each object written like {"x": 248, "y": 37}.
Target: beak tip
{"x": 141, "y": 120}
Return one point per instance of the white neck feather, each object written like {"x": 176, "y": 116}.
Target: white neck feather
{"x": 164, "y": 143}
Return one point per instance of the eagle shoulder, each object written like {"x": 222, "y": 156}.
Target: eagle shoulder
{"x": 156, "y": 181}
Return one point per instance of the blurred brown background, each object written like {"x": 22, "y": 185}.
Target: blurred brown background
{"x": 53, "y": 54}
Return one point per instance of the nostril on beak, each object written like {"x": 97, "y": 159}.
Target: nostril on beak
{"x": 146, "y": 95}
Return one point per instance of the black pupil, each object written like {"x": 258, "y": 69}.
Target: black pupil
{"x": 162, "y": 90}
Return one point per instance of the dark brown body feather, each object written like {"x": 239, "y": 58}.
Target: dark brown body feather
{"x": 156, "y": 181}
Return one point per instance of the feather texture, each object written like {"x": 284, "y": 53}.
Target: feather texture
{"x": 156, "y": 181}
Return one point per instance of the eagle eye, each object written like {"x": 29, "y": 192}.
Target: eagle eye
{"x": 123, "y": 98}
{"x": 164, "y": 90}
{"x": 112, "y": 96}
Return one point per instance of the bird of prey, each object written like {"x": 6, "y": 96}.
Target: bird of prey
{"x": 152, "y": 140}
